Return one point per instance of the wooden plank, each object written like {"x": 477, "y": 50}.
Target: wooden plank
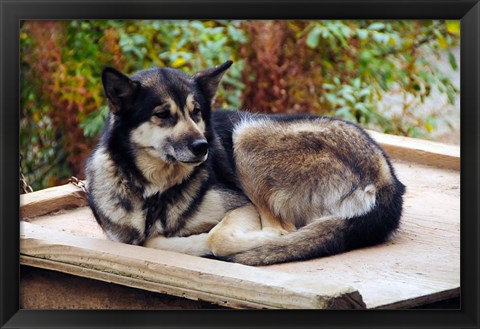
{"x": 138, "y": 283}
{"x": 44, "y": 289}
{"x": 50, "y": 200}
{"x": 77, "y": 221}
{"x": 419, "y": 150}
{"x": 227, "y": 284}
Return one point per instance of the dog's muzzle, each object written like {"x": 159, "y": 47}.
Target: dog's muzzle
{"x": 194, "y": 152}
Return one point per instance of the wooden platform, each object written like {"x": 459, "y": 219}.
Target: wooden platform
{"x": 421, "y": 265}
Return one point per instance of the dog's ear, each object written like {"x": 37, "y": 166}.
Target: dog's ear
{"x": 209, "y": 79}
{"x": 121, "y": 91}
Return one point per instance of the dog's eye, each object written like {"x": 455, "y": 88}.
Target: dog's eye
{"x": 196, "y": 111}
{"x": 162, "y": 115}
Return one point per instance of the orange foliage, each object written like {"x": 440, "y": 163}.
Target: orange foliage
{"x": 111, "y": 45}
{"x": 51, "y": 76}
{"x": 280, "y": 74}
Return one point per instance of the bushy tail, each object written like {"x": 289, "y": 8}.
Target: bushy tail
{"x": 331, "y": 236}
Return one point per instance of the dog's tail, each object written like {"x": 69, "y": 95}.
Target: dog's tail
{"x": 329, "y": 236}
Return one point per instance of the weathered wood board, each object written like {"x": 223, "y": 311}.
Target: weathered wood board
{"x": 58, "y": 198}
{"x": 419, "y": 151}
{"x": 419, "y": 266}
{"x": 176, "y": 274}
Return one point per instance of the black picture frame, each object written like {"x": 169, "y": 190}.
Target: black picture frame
{"x": 12, "y": 11}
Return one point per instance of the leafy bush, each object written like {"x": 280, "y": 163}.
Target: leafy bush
{"x": 344, "y": 68}
{"x": 341, "y": 68}
{"x": 62, "y": 103}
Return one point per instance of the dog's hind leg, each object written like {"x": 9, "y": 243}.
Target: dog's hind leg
{"x": 195, "y": 245}
{"x": 271, "y": 222}
{"x": 239, "y": 230}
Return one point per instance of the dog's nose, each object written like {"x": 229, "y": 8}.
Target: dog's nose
{"x": 199, "y": 147}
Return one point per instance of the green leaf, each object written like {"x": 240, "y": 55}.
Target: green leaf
{"x": 94, "y": 123}
{"x": 362, "y": 34}
{"x": 453, "y": 26}
{"x": 364, "y": 92}
{"x": 430, "y": 124}
{"x": 376, "y": 26}
{"x": 313, "y": 37}
{"x": 328, "y": 86}
{"x": 349, "y": 98}
{"x": 452, "y": 60}
{"x": 357, "y": 83}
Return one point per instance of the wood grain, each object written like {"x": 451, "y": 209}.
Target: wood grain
{"x": 226, "y": 284}
{"x": 49, "y": 200}
{"x": 419, "y": 151}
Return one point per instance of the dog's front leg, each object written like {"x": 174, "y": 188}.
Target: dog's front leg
{"x": 239, "y": 230}
{"x": 195, "y": 245}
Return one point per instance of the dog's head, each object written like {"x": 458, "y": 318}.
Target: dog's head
{"x": 163, "y": 111}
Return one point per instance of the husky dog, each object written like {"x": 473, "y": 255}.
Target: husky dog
{"x": 170, "y": 173}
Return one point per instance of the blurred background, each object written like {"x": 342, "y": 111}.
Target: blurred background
{"x": 396, "y": 77}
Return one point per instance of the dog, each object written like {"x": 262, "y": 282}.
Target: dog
{"x": 171, "y": 173}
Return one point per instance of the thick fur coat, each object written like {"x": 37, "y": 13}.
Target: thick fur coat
{"x": 170, "y": 173}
